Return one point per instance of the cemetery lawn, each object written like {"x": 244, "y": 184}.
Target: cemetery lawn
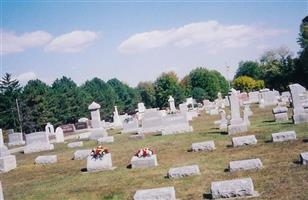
{"x": 281, "y": 177}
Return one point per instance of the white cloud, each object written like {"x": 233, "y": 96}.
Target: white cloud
{"x": 13, "y": 43}
{"x": 210, "y": 33}
{"x": 71, "y": 42}
{"x": 25, "y": 77}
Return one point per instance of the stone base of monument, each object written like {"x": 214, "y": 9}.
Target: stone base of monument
{"x": 303, "y": 158}
{"x": 7, "y": 163}
{"x": 203, "y": 146}
{"x": 4, "y": 151}
{"x": 108, "y": 139}
{"x": 237, "y": 188}
{"x": 1, "y": 192}
{"x": 38, "y": 148}
{"x": 284, "y": 136}
{"x": 17, "y": 143}
{"x": 177, "y": 129}
{"x": 244, "y": 140}
{"x": 164, "y": 193}
{"x": 180, "y": 172}
{"x": 223, "y": 125}
{"x": 144, "y": 162}
{"x": 82, "y": 154}
{"x": 98, "y": 133}
{"x": 139, "y": 136}
{"x": 281, "y": 117}
{"x": 300, "y": 118}
{"x": 156, "y": 129}
{"x": 99, "y": 164}
{"x": 242, "y": 165}
{"x": 237, "y": 128}
{"x": 44, "y": 160}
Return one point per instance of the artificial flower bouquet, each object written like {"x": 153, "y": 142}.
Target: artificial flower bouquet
{"x": 99, "y": 152}
{"x": 145, "y": 152}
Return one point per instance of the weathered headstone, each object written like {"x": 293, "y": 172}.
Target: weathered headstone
{"x": 130, "y": 125}
{"x": 171, "y": 104}
{"x": 244, "y": 140}
{"x": 37, "y": 142}
{"x": 284, "y": 136}
{"x": 16, "y": 139}
{"x": 180, "y": 172}
{"x": 99, "y": 164}
{"x": 59, "y": 135}
{"x": 95, "y": 115}
{"x": 75, "y": 144}
{"x": 233, "y": 189}
{"x": 68, "y": 128}
{"x": 152, "y": 121}
{"x": 98, "y": 133}
{"x": 253, "y": 97}
{"x": 7, "y": 161}
{"x": 237, "y": 124}
{"x": 203, "y": 146}
{"x": 175, "y": 123}
{"x": 81, "y": 125}
{"x": 300, "y": 114}
{"x": 49, "y": 129}
{"x": 164, "y": 193}
{"x": 1, "y": 192}
{"x": 82, "y": 154}
{"x": 280, "y": 113}
{"x": 242, "y": 165}
{"x": 43, "y": 160}
{"x": 144, "y": 162}
{"x": 223, "y": 122}
{"x": 303, "y": 158}
{"x": 84, "y": 136}
{"x": 117, "y": 122}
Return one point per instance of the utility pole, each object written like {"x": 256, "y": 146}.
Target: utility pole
{"x": 19, "y": 118}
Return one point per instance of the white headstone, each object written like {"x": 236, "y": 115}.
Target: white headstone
{"x": 95, "y": 115}
{"x": 16, "y": 139}
{"x": 59, "y": 135}
{"x": 36, "y": 142}
{"x": 164, "y": 193}
{"x": 117, "y": 123}
{"x": 49, "y": 129}
{"x": 172, "y": 104}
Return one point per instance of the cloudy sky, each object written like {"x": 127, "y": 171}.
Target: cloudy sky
{"x": 138, "y": 40}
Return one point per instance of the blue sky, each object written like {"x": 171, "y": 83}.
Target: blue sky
{"x": 137, "y": 41}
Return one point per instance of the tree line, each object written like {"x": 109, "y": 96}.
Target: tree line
{"x": 64, "y": 102}
{"x": 276, "y": 68}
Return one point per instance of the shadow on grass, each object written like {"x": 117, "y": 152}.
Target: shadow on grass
{"x": 84, "y": 169}
{"x": 226, "y": 170}
{"x": 229, "y": 146}
{"x": 268, "y": 141}
{"x": 207, "y": 196}
{"x": 305, "y": 140}
{"x": 129, "y": 166}
{"x": 297, "y": 162}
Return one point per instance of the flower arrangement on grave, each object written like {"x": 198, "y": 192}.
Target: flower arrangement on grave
{"x": 99, "y": 152}
{"x": 145, "y": 152}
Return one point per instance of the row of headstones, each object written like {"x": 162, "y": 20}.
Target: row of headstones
{"x": 221, "y": 189}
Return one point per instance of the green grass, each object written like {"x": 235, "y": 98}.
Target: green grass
{"x": 280, "y": 178}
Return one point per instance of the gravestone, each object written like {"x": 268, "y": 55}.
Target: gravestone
{"x": 244, "y": 140}
{"x": 248, "y": 110}
{"x": 117, "y": 122}
{"x": 81, "y": 125}
{"x": 144, "y": 162}
{"x": 235, "y": 188}
{"x": 269, "y": 97}
{"x": 300, "y": 114}
{"x": 99, "y": 164}
{"x": 284, "y": 136}
{"x": 84, "y": 136}
{"x": 43, "y": 160}
{"x": 108, "y": 139}
{"x": 190, "y": 103}
{"x": 75, "y": 144}
{"x": 37, "y": 142}
{"x": 303, "y": 158}
{"x": 223, "y": 122}
{"x": 68, "y": 128}
{"x": 95, "y": 115}
{"x": 171, "y": 104}
{"x": 98, "y": 133}
{"x": 141, "y": 107}
{"x": 246, "y": 119}
{"x": 82, "y": 154}
{"x": 59, "y": 135}
{"x": 152, "y": 121}
{"x": 163, "y": 193}
{"x": 242, "y": 165}
{"x": 180, "y": 172}
{"x": 49, "y": 129}
{"x": 130, "y": 125}
{"x": 175, "y": 124}
{"x": 237, "y": 124}
{"x": 280, "y": 113}
{"x": 16, "y": 139}
{"x": 253, "y": 97}
{"x": 203, "y": 146}
{"x": 7, "y": 161}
